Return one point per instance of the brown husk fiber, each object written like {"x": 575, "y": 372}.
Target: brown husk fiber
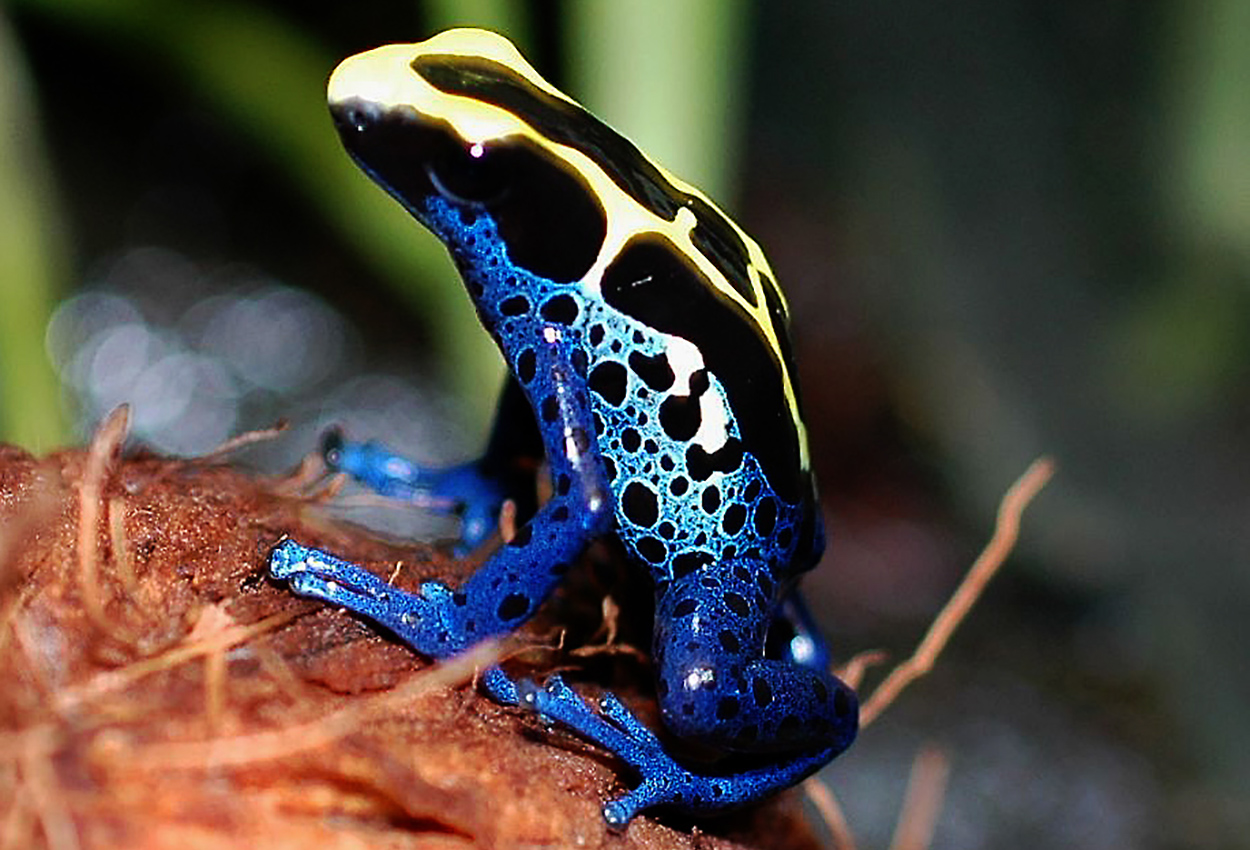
{"x": 159, "y": 690}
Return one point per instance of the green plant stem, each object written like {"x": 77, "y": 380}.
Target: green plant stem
{"x": 31, "y": 267}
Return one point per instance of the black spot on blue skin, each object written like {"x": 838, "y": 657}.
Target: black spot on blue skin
{"x": 655, "y": 371}
{"x": 737, "y": 604}
{"x": 550, "y": 409}
{"x": 514, "y": 605}
{"x": 711, "y": 500}
{"x": 685, "y": 608}
{"x": 727, "y": 708}
{"x": 640, "y": 505}
{"x": 680, "y": 417}
{"x": 789, "y": 727}
{"x": 821, "y": 690}
{"x": 631, "y": 440}
{"x": 561, "y": 309}
{"x": 687, "y": 562}
{"x": 560, "y": 514}
{"x": 729, "y": 641}
{"x": 651, "y": 549}
{"x": 765, "y": 517}
{"x": 609, "y": 469}
{"x": 679, "y": 485}
{"x": 522, "y": 536}
{"x": 610, "y": 380}
{"x": 763, "y": 693}
{"x": 701, "y": 465}
{"x": 596, "y": 334}
{"x": 667, "y": 530}
{"x": 526, "y": 365}
{"x": 563, "y": 484}
{"x": 517, "y": 305}
{"x": 752, "y": 490}
{"x": 733, "y": 520}
{"x": 459, "y": 599}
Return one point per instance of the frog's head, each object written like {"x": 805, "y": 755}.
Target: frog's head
{"x": 454, "y": 118}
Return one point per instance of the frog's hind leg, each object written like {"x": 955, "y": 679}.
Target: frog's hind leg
{"x": 716, "y": 687}
{"x": 474, "y": 491}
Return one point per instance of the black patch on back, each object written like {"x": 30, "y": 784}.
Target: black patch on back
{"x": 649, "y": 282}
{"x": 781, "y": 324}
{"x": 557, "y": 119}
{"x": 569, "y": 124}
{"x": 717, "y": 241}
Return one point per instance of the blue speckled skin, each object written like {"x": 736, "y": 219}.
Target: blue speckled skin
{"x": 721, "y": 545}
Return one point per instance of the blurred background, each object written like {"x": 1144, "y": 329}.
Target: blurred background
{"x": 1006, "y": 228}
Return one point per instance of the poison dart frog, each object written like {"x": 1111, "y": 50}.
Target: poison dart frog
{"x": 650, "y": 366}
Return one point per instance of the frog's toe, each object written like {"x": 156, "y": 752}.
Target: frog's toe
{"x": 287, "y": 559}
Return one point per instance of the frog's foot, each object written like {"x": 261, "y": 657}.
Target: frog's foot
{"x": 664, "y": 781}
{"x": 422, "y": 620}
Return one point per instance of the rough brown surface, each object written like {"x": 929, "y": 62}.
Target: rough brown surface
{"x": 160, "y": 691}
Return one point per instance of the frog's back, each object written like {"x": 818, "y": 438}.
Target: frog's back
{"x": 683, "y": 330}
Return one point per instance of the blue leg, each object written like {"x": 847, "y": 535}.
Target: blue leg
{"x": 475, "y": 491}
{"x": 715, "y": 686}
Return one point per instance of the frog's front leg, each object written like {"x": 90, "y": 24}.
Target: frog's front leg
{"x": 437, "y": 621}
{"x": 474, "y": 491}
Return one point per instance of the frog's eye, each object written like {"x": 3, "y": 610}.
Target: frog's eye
{"x": 472, "y": 176}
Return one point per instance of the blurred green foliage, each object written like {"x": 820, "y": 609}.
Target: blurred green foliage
{"x": 33, "y": 271}
{"x": 261, "y": 72}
